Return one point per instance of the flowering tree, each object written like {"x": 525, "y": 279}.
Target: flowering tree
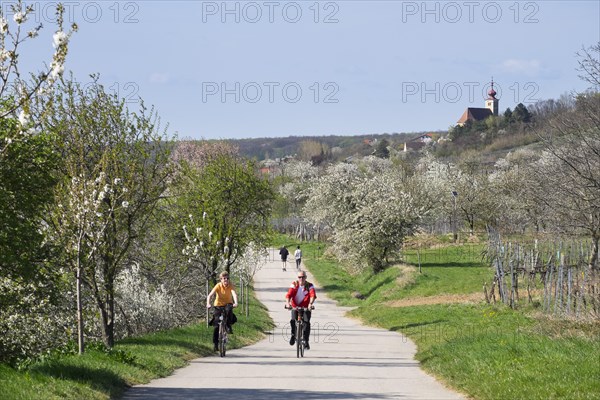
{"x": 26, "y": 160}
{"x": 162, "y": 270}
{"x": 26, "y": 184}
{"x": 435, "y": 177}
{"x": 116, "y": 168}
{"x": 568, "y": 173}
{"x": 82, "y": 222}
{"x": 371, "y": 208}
{"x": 33, "y": 321}
{"x": 144, "y": 307}
{"x": 28, "y": 286}
{"x": 13, "y": 81}
{"x": 226, "y": 207}
{"x": 511, "y": 182}
{"x": 474, "y": 201}
{"x": 299, "y": 176}
{"x": 249, "y": 263}
{"x": 27, "y": 163}
{"x": 563, "y": 184}
{"x": 197, "y": 154}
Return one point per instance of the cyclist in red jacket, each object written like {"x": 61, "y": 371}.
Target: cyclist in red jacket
{"x": 300, "y": 294}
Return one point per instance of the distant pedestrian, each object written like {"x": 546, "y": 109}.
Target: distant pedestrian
{"x": 298, "y": 257}
{"x": 283, "y": 252}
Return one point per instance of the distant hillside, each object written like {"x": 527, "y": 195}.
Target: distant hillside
{"x": 492, "y": 138}
{"x": 341, "y": 146}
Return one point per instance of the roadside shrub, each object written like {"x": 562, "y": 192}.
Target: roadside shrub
{"x": 142, "y": 308}
{"x": 34, "y": 322}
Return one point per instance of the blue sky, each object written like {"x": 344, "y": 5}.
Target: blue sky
{"x": 241, "y": 69}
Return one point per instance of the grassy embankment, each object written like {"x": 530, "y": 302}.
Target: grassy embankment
{"x": 484, "y": 350}
{"x": 100, "y": 374}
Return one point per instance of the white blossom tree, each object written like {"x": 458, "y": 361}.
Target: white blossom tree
{"x": 143, "y": 306}
{"x": 226, "y": 207}
{"x": 82, "y": 222}
{"x": 127, "y": 155}
{"x": 16, "y": 83}
{"x": 26, "y": 158}
{"x": 371, "y": 207}
{"x": 250, "y": 262}
{"x": 299, "y": 176}
{"x": 568, "y": 173}
{"x": 475, "y": 201}
{"x": 27, "y": 162}
{"x": 436, "y": 181}
{"x": 511, "y": 182}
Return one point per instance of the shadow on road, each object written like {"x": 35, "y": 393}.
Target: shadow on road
{"x": 263, "y": 394}
{"x": 316, "y": 362}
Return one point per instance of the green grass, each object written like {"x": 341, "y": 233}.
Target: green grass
{"x": 448, "y": 270}
{"x": 486, "y": 351}
{"x": 495, "y": 353}
{"x": 100, "y": 374}
{"x": 451, "y": 270}
{"x": 312, "y": 250}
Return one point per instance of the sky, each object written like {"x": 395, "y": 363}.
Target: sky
{"x": 250, "y": 69}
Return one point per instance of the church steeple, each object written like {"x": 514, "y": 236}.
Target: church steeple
{"x": 492, "y": 103}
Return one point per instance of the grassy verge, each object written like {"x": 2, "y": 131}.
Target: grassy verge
{"x": 99, "y": 374}
{"x": 447, "y": 270}
{"x": 486, "y": 351}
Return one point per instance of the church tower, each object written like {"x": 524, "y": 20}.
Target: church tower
{"x": 492, "y": 103}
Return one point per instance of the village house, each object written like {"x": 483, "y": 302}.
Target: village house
{"x": 274, "y": 167}
{"x": 418, "y": 142}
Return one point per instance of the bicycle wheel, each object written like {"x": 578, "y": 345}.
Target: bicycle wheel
{"x": 222, "y": 339}
{"x": 299, "y": 340}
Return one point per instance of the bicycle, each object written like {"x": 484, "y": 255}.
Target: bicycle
{"x": 223, "y": 318}
{"x": 300, "y": 328}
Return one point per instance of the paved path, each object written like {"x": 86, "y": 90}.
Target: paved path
{"x": 346, "y": 360}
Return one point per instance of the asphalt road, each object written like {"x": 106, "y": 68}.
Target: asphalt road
{"x": 346, "y": 361}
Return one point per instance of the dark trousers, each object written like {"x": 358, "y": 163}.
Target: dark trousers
{"x": 306, "y": 318}
{"x": 228, "y": 313}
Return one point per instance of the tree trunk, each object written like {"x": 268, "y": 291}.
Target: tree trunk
{"x": 111, "y": 319}
{"x": 594, "y": 256}
{"x": 207, "y": 292}
{"x": 80, "y": 341}
{"x": 105, "y": 300}
{"x": 107, "y": 313}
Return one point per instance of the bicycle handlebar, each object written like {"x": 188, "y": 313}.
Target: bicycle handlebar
{"x": 299, "y": 308}
{"x": 228, "y": 306}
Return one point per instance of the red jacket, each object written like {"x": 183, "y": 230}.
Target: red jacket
{"x": 308, "y": 292}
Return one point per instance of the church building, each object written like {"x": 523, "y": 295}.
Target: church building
{"x": 480, "y": 114}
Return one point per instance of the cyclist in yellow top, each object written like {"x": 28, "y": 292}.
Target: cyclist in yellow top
{"x": 225, "y": 300}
